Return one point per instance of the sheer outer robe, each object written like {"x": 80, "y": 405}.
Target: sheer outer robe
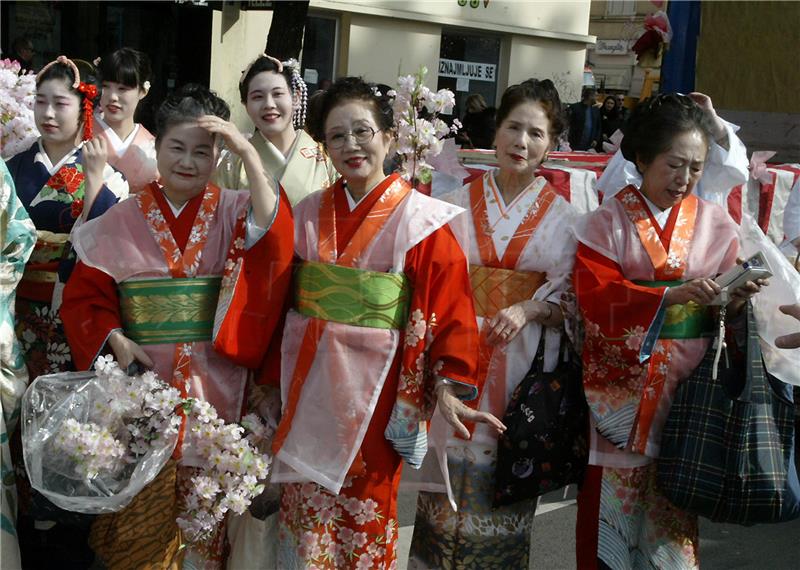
{"x": 440, "y": 337}
{"x": 303, "y": 171}
{"x": 133, "y": 254}
{"x": 619, "y": 314}
{"x": 551, "y": 250}
{"x": 136, "y": 159}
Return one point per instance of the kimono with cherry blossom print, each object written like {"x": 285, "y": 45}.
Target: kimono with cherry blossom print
{"x": 361, "y": 404}
{"x": 144, "y": 238}
{"x": 135, "y": 156}
{"x": 630, "y": 374}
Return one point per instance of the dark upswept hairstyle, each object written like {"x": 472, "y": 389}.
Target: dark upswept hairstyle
{"x": 347, "y": 89}
{"x": 187, "y": 104}
{"x": 656, "y": 121}
{"x": 294, "y": 81}
{"x": 543, "y": 92}
{"x": 126, "y": 66}
{"x": 260, "y": 65}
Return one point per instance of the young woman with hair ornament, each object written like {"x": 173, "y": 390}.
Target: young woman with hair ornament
{"x": 276, "y": 98}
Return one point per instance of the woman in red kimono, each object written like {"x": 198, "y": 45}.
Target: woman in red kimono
{"x": 149, "y": 282}
{"x": 643, "y": 276}
{"x": 131, "y": 148}
{"x": 382, "y": 328}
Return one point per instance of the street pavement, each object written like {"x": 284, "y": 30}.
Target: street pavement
{"x": 722, "y": 547}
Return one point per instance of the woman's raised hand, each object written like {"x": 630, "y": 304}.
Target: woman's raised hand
{"x": 234, "y": 140}
{"x": 94, "y": 156}
{"x": 264, "y": 198}
{"x": 704, "y": 102}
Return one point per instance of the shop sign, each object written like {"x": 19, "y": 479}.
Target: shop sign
{"x": 611, "y": 47}
{"x": 467, "y": 70}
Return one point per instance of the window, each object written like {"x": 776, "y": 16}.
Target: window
{"x": 468, "y": 63}
{"x": 319, "y": 52}
{"x": 620, "y": 7}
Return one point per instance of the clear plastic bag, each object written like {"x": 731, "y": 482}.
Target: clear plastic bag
{"x": 48, "y": 403}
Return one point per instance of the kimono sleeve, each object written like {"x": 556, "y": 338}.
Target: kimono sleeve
{"x": 254, "y": 289}
{"x": 90, "y": 312}
{"x": 440, "y": 341}
{"x": 611, "y": 305}
{"x": 442, "y": 315}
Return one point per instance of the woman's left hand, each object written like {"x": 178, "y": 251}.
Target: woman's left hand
{"x": 506, "y": 324}
{"x": 455, "y": 411}
{"x": 234, "y": 140}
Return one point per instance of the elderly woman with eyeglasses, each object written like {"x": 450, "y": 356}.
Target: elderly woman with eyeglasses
{"x": 382, "y": 328}
{"x": 643, "y": 278}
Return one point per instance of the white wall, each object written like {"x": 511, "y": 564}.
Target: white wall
{"x": 381, "y": 49}
{"x": 557, "y": 16}
{"x": 237, "y": 37}
{"x": 548, "y": 59}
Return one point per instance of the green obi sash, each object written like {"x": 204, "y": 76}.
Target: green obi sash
{"x": 683, "y": 321}
{"x": 352, "y": 296}
{"x": 156, "y": 311}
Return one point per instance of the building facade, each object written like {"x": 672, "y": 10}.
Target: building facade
{"x": 468, "y": 46}
{"x": 617, "y": 24}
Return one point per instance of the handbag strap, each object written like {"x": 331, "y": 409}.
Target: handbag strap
{"x": 755, "y": 379}
{"x": 563, "y": 351}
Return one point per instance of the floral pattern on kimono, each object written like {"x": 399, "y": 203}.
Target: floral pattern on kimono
{"x": 17, "y": 238}
{"x": 337, "y": 531}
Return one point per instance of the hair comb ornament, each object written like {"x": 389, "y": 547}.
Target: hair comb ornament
{"x": 65, "y": 61}
{"x": 247, "y": 69}
{"x": 299, "y": 88}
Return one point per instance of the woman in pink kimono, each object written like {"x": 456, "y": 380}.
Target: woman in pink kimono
{"x": 643, "y": 278}
{"x": 131, "y": 148}
{"x": 149, "y": 282}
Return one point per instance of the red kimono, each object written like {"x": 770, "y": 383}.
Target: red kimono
{"x": 330, "y": 385}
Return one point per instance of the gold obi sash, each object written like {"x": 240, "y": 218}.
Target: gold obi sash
{"x": 352, "y": 296}
{"x": 495, "y": 288}
{"x": 158, "y": 311}
{"x": 41, "y": 271}
{"x": 683, "y": 321}
{"x": 43, "y": 264}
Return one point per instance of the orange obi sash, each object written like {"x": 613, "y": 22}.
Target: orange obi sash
{"x": 495, "y": 288}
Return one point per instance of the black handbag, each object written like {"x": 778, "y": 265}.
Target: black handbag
{"x": 727, "y": 449}
{"x": 545, "y": 445}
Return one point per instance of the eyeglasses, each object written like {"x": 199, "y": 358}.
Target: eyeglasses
{"x": 361, "y": 135}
